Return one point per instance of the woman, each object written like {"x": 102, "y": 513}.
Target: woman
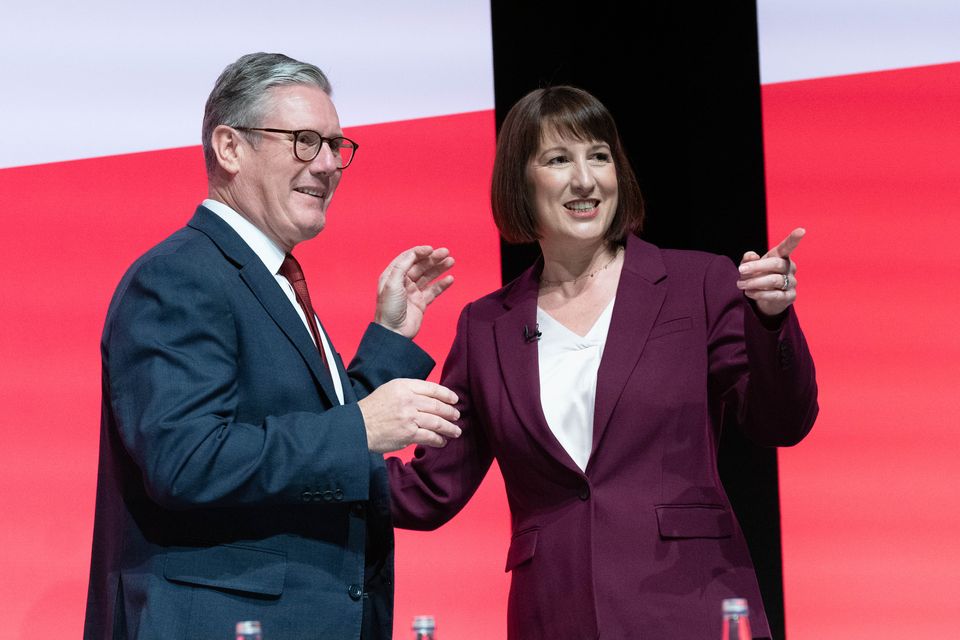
{"x": 598, "y": 380}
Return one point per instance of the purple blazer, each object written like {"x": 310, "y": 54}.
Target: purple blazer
{"x": 644, "y": 542}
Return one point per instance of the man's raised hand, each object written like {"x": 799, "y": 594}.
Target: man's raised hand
{"x": 410, "y": 282}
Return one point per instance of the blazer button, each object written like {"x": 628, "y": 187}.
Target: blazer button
{"x": 327, "y": 495}
{"x": 306, "y": 496}
{"x": 585, "y": 492}
{"x": 338, "y": 495}
{"x": 355, "y": 591}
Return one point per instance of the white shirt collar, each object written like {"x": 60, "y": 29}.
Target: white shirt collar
{"x": 266, "y": 249}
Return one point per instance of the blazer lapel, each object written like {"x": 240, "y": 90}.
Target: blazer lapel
{"x": 519, "y": 362}
{"x": 263, "y": 285}
{"x": 640, "y": 295}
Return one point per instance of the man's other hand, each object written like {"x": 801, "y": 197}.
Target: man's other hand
{"x": 403, "y": 412}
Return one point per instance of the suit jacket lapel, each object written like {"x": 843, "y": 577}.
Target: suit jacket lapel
{"x": 349, "y": 396}
{"x": 640, "y": 295}
{"x": 264, "y": 286}
{"x": 519, "y": 362}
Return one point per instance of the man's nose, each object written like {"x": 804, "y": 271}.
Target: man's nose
{"x": 326, "y": 161}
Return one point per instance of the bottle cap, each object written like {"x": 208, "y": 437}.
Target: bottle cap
{"x": 424, "y": 623}
{"x": 248, "y": 626}
{"x": 735, "y": 606}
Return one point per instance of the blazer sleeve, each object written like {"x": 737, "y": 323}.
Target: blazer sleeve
{"x": 170, "y": 368}
{"x": 765, "y": 375}
{"x": 435, "y": 484}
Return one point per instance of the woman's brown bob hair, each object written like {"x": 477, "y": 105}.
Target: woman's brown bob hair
{"x": 570, "y": 112}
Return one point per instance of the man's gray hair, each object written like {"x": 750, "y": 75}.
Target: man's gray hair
{"x": 240, "y": 94}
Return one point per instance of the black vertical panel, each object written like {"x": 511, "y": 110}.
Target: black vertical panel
{"x": 682, "y": 81}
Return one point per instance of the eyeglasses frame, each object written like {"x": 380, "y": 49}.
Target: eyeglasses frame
{"x": 296, "y": 137}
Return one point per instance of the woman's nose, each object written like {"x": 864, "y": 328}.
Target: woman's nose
{"x": 583, "y": 179}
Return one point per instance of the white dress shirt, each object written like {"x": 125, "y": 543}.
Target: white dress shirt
{"x": 272, "y": 257}
{"x": 568, "y": 380}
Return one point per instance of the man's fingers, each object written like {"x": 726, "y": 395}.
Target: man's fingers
{"x": 441, "y": 285}
{"x": 788, "y": 244}
{"x": 428, "y": 438}
{"x": 428, "y": 268}
{"x": 433, "y": 390}
{"x": 421, "y": 278}
{"x": 437, "y": 425}
{"x": 430, "y": 294}
{"x": 432, "y": 406}
{"x": 404, "y": 410}
{"x": 408, "y": 258}
{"x": 401, "y": 265}
{"x": 437, "y": 255}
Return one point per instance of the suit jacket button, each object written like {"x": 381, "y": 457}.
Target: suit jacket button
{"x": 338, "y": 495}
{"x": 306, "y": 496}
{"x": 584, "y": 492}
{"x": 355, "y": 591}
{"x": 327, "y": 495}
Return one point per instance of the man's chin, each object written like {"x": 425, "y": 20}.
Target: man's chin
{"x": 310, "y": 233}
{"x": 314, "y": 224}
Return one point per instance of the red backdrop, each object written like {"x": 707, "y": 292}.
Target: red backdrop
{"x": 870, "y": 164}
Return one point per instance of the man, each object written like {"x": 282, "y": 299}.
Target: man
{"x": 241, "y": 475}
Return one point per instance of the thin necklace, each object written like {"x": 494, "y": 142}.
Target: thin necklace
{"x": 553, "y": 283}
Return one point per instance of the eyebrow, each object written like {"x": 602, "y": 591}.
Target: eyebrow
{"x": 593, "y": 146}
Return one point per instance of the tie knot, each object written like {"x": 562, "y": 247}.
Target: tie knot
{"x": 290, "y": 269}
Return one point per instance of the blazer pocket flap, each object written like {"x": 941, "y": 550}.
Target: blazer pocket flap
{"x": 694, "y": 521}
{"x": 670, "y": 326}
{"x": 230, "y": 567}
{"x": 522, "y": 548}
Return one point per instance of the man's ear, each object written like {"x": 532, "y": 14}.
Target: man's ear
{"x": 227, "y": 148}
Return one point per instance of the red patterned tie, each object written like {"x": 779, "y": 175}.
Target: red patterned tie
{"x": 290, "y": 269}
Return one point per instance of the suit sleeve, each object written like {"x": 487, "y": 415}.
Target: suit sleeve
{"x": 761, "y": 370}
{"x": 384, "y": 355}
{"x": 436, "y": 483}
{"x": 170, "y": 354}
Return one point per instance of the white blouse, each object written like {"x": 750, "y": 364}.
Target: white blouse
{"x": 568, "y": 380}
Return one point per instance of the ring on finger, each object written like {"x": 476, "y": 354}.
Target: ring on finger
{"x": 786, "y": 283}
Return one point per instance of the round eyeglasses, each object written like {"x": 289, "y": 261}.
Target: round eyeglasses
{"x": 307, "y": 144}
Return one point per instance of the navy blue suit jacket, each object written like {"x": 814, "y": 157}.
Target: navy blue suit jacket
{"x": 232, "y": 485}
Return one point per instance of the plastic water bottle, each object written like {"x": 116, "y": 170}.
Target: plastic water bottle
{"x": 249, "y": 630}
{"x": 736, "y": 620}
{"x": 424, "y": 628}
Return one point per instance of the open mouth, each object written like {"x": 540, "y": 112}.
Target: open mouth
{"x": 582, "y": 207}
{"x": 314, "y": 193}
